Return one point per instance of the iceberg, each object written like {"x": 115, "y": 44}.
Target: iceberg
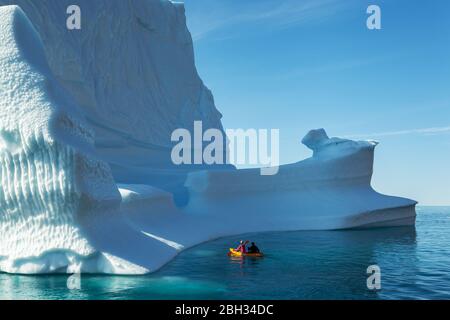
{"x": 87, "y": 183}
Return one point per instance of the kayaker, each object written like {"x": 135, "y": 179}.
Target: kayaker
{"x": 253, "y": 248}
{"x": 241, "y": 247}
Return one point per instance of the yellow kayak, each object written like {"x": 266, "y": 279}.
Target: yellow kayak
{"x": 234, "y": 253}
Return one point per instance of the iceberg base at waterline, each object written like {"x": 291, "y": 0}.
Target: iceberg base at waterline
{"x": 63, "y": 209}
{"x": 329, "y": 191}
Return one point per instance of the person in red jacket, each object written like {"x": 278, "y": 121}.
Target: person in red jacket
{"x": 241, "y": 247}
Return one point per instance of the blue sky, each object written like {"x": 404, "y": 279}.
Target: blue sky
{"x": 302, "y": 64}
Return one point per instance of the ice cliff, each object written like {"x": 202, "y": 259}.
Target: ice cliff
{"x": 85, "y": 121}
{"x": 144, "y": 44}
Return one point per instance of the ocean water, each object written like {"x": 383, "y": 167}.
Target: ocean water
{"x": 414, "y": 263}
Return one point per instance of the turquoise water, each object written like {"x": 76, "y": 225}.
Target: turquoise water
{"x": 414, "y": 262}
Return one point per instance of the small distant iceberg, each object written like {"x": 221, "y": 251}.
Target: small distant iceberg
{"x": 87, "y": 184}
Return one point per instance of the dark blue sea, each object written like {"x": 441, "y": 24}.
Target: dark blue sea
{"x": 414, "y": 264}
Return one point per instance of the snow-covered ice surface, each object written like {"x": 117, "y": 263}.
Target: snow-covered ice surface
{"x": 87, "y": 184}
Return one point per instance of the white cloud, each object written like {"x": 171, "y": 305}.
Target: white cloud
{"x": 211, "y": 16}
{"x": 423, "y": 131}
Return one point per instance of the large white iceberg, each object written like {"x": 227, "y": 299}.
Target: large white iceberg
{"x": 87, "y": 184}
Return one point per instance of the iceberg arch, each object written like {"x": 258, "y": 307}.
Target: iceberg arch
{"x": 87, "y": 186}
